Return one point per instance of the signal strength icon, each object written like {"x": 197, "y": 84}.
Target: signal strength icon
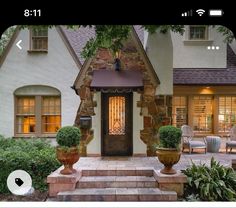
{"x": 188, "y": 13}
{"x": 200, "y": 12}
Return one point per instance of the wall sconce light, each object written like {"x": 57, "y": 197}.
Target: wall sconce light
{"x": 117, "y": 62}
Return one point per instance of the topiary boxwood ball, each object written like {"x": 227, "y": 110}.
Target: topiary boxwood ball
{"x": 68, "y": 136}
{"x": 170, "y": 136}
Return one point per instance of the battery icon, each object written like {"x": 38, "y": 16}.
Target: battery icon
{"x": 215, "y": 12}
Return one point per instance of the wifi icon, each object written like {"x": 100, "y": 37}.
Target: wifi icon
{"x": 200, "y": 12}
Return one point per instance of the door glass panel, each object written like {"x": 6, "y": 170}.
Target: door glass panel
{"x": 179, "y": 111}
{"x": 202, "y": 113}
{"x": 227, "y": 113}
{"x": 116, "y": 115}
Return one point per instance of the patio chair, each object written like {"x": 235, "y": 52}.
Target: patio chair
{"x": 188, "y": 142}
{"x": 231, "y": 143}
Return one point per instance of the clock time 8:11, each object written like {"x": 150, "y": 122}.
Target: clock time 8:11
{"x": 32, "y": 12}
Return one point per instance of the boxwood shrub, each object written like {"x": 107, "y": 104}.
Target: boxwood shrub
{"x": 35, "y": 156}
{"x": 68, "y": 136}
{"x": 170, "y": 136}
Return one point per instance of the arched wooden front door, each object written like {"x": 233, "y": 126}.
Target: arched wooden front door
{"x": 117, "y": 125}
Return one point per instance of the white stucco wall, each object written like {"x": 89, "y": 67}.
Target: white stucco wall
{"x": 194, "y": 54}
{"x": 55, "y": 68}
{"x": 160, "y": 52}
{"x": 94, "y": 147}
{"x": 138, "y": 146}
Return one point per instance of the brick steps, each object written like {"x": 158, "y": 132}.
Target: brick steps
{"x": 117, "y": 182}
{"x": 129, "y": 184}
{"x": 117, "y": 194}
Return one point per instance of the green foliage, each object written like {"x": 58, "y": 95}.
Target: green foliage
{"x": 35, "y": 156}
{"x": 6, "y": 36}
{"x": 214, "y": 183}
{"x": 107, "y": 36}
{"x": 170, "y": 137}
{"x": 164, "y": 28}
{"x": 227, "y": 33}
{"x": 68, "y": 136}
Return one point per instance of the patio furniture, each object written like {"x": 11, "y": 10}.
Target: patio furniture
{"x": 188, "y": 142}
{"x": 231, "y": 143}
{"x": 213, "y": 143}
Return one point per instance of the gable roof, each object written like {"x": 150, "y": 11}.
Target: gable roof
{"x": 79, "y": 37}
{"x": 61, "y": 34}
{"x": 231, "y": 57}
{"x": 139, "y": 45}
{"x": 201, "y": 76}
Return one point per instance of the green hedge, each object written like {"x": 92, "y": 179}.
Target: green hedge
{"x": 35, "y": 156}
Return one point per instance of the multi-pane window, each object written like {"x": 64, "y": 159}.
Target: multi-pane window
{"x": 39, "y": 39}
{"x": 202, "y": 113}
{"x": 179, "y": 111}
{"x": 51, "y": 114}
{"x": 227, "y": 113}
{"x": 38, "y": 115}
{"x": 25, "y": 115}
{"x": 198, "y": 32}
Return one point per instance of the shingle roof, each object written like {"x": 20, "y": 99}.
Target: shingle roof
{"x": 200, "y": 76}
{"x": 204, "y": 76}
{"x": 231, "y": 58}
{"x": 79, "y": 37}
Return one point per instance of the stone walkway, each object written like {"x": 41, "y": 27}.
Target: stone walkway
{"x": 140, "y": 162}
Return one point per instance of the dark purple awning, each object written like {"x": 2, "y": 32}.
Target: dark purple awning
{"x": 104, "y": 78}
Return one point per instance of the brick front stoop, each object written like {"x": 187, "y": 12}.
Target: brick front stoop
{"x": 171, "y": 182}
{"x": 116, "y": 184}
{"x": 58, "y": 182}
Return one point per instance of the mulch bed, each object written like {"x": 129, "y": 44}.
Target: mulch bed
{"x": 36, "y": 196}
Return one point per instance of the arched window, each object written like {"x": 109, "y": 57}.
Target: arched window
{"x": 37, "y": 111}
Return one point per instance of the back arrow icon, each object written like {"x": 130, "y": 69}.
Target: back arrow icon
{"x": 18, "y": 44}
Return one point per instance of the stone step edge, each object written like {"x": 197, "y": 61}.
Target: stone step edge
{"x": 110, "y": 191}
{"x": 117, "y": 172}
{"x": 116, "y": 179}
{"x": 118, "y": 194}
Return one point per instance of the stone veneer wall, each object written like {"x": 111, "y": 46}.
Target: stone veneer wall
{"x": 156, "y": 110}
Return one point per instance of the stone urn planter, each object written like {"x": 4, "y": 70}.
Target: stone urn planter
{"x": 67, "y": 152}
{"x": 168, "y": 157}
{"x": 68, "y": 157}
{"x": 168, "y": 151}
